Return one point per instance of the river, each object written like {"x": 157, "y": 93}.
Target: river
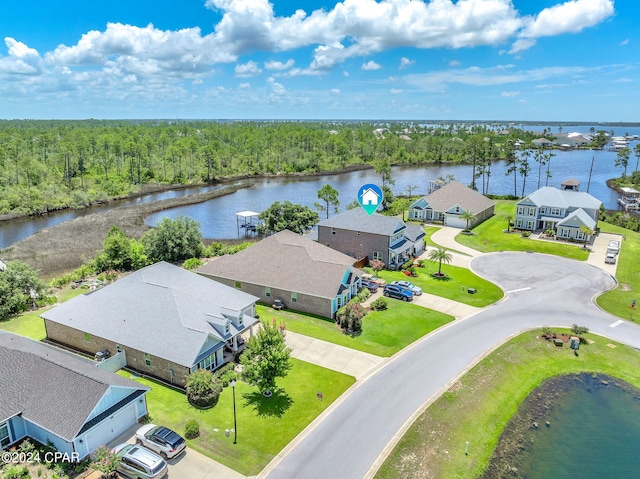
{"x": 217, "y": 217}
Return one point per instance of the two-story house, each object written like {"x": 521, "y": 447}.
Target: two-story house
{"x": 563, "y": 211}
{"x": 359, "y": 235}
{"x": 305, "y": 275}
{"x": 168, "y": 322}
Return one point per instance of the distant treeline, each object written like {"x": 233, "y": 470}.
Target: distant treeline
{"x": 49, "y": 165}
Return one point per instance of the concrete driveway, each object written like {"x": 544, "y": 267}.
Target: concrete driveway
{"x": 355, "y": 437}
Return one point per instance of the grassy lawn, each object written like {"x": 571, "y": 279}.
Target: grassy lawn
{"x": 453, "y": 287}
{"x": 617, "y": 301}
{"x": 384, "y": 333}
{"x": 265, "y": 426}
{"x": 477, "y": 408}
{"x": 30, "y": 324}
{"x": 489, "y": 236}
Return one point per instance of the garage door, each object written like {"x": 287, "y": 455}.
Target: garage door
{"x": 111, "y": 427}
{"x": 455, "y": 221}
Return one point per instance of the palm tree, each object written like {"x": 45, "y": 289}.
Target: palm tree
{"x": 468, "y": 216}
{"x": 587, "y": 232}
{"x": 440, "y": 255}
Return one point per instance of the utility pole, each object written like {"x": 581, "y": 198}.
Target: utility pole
{"x": 590, "y": 171}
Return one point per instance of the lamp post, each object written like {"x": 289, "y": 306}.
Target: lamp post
{"x": 235, "y": 425}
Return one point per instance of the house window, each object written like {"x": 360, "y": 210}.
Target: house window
{"x": 333, "y": 231}
{"x": 5, "y": 439}
{"x": 267, "y": 292}
{"x": 377, "y": 255}
{"x": 358, "y": 233}
{"x": 555, "y": 211}
{"x": 339, "y": 298}
{"x": 520, "y": 210}
{"x": 529, "y": 225}
{"x": 226, "y": 328}
{"x": 457, "y": 209}
{"x": 238, "y": 284}
{"x": 87, "y": 337}
{"x": 119, "y": 348}
{"x": 240, "y": 318}
{"x": 579, "y": 235}
{"x": 294, "y": 297}
{"x": 147, "y": 359}
{"x": 532, "y": 211}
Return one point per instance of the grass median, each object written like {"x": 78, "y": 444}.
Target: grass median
{"x": 477, "y": 408}
{"x": 265, "y": 425}
{"x": 384, "y": 333}
{"x": 490, "y": 236}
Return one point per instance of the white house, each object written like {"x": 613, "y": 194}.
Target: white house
{"x": 370, "y": 197}
{"x": 563, "y": 211}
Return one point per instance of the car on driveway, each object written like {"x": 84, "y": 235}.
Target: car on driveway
{"x": 397, "y": 292}
{"x": 161, "y": 440}
{"x": 139, "y": 463}
{"x": 610, "y": 258}
{"x": 416, "y": 290}
{"x": 372, "y": 286}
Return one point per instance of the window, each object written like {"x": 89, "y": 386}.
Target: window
{"x": 520, "y": 210}
{"x": 119, "y": 348}
{"x": 226, "y": 328}
{"x": 339, "y": 298}
{"x": 377, "y": 255}
{"x": 529, "y": 225}
{"x": 555, "y": 211}
{"x": 333, "y": 231}
{"x": 267, "y": 292}
{"x": 147, "y": 359}
{"x": 238, "y": 284}
{"x": 294, "y": 297}
{"x": 87, "y": 337}
{"x": 532, "y": 211}
{"x": 457, "y": 209}
{"x": 5, "y": 439}
{"x": 240, "y": 318}
{"x": 519, "y": 224}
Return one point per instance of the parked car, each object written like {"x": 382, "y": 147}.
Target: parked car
{"x": 613, "y": 247}
{"x": 278, "y": 304}
{"x": 161, "y": 440}
{"x": 370, "y": 285}
{"x": 397, "y": 292}
{"x": 416, "y": 290}
{"x": 610, "y": 258}
{"x": 140, "y": 463}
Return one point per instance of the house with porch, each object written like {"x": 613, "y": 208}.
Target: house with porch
{"x": 449, "y": 202}
{"x": 305, "y": 275}
{"x": 51, "y": 395}
{"x": 168, "y": 322}
{"x": 361, "y": 236}
{"x": 563, "y": 211}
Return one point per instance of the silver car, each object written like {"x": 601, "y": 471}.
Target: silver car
{"x": 416, "y": 290}
{"x": 140, "y": 463}
{"x": 161, "y": 439}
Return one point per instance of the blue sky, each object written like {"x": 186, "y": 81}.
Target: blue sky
{"x": 522, "y": 60}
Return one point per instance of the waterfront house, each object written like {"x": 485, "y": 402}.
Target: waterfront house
{"x": 167, "y": 321}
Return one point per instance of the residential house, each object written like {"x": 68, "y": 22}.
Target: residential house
{"x": 570, "y": 185}
{"x": 305, "y": 275}
{"x": 449, "y": 202}
{"x": 541, "y": 143}
{"x": 359, "y": 235}
{"x": 57, "y": 397}
{"x": 564, "y": 211}
{"x": 168, "y": 321}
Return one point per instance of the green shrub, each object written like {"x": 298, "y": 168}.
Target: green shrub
{"x": 192, "y": 263}
{"x": 191, "y": 429}
{"x": 16, "y": 472}
{"x": 525, "y": 234}
{"x": 407, "y": 264}
{"x": 379, "y": 304}
{"x": 363, "y": 295}
{"x": 105, "y": 461}
{"x": 202, "y": 389}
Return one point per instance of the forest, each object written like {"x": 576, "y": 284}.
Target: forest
{"x": 47, "y": 165}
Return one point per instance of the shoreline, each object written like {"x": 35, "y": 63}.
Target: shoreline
{"x": 64, "y": 247}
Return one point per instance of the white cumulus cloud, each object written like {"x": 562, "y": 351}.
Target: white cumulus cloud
{"x": 275, "y": 65}
{"x": 246, "y": 70}
{"x": 371, "y": 65}
{"x": 405, "y": 62}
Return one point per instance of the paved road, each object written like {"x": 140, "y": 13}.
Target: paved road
{"x": 360, "y": 429}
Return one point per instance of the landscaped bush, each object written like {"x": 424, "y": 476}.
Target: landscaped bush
{"x": 191, "y": 429}
{"x": 525, "y": 234}
{"x": 379, "y": 304}
{"x": 16, "y": 472}
{"x": 349, "y": 317}
{"x": 363, "y": 295}
{"x": 192, "y": 263}
{"x": 202, "y": 389}
{"x": 407, "y": 264}
{"x": 105, "y": 461}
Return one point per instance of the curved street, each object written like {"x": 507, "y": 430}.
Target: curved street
{"x": 357, "y": 432}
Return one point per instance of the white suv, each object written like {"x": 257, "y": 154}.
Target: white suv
{"x": 140, "y": 463}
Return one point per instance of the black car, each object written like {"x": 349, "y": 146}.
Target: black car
{"x": 370, "y": 285}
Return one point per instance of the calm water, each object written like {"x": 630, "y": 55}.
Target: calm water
{"x": 217, "y": 217}
{"x": 594, "y": 434}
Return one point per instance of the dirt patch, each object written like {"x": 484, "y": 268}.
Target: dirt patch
{"x": 66, "y": 246}
{"x": 625, "y": 287}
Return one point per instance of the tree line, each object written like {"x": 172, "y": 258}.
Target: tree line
{"x": 49, "y": 165}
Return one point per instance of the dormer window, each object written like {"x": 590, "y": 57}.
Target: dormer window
{"x": 240, "y": 319}
{"x": 226, "y": 328}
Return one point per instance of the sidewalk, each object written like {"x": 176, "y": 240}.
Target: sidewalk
{"x": 331, "y": 356}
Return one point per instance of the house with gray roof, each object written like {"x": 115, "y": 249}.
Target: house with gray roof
{"x": 563, "y": 211}
{"x": 55, "y": 396}
{"x": 359, "y": 235}
{"x": 449, "y": 202}
{"x": 169, "y": 322}
{"x": 305, "y": 275}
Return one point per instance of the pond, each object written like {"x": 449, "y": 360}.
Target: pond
{"x": 592, "y": 432}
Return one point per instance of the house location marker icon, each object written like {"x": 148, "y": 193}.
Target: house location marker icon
{"x": 370, "y": 197}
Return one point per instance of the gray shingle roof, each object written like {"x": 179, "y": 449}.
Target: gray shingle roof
{"x": 162, "y": 310}
{"x": 357, "y": 219}
{"x": 50, "y": 387}
{"x": 287, "y": 261}
{"x": 550, "y": 196}
{"x": 455, "y": 193}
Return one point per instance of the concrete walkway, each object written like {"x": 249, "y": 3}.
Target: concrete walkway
{"x": 445, "y": 236}
{"x": 332, "y": 356}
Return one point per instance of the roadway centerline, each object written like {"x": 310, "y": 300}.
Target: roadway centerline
{"x": 517, "y": 290}
{"x": 617, "y": 323}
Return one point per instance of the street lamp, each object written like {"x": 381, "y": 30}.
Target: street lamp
{"x": 235, "y": 425}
